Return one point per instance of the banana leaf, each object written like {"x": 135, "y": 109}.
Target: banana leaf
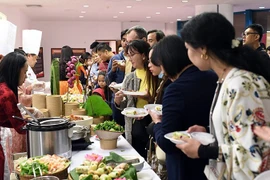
{"x": 95, "y": 106}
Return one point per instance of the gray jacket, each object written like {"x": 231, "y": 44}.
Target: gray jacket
{"x": 131, "y": 82}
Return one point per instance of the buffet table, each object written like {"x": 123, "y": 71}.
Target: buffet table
{"x": 123, "y": 148}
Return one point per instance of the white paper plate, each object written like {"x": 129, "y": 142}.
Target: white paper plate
{"x": 145, "y": 175}
{"x": 152, "y": 107}
{"x": 263, "y": 176}
{"x": 175, "y": 141}
{"x": 203, "y": 137}
{"x": 132, "y": 93}
{"x": 140, "y": 112}
{"x": 116, "y": 86}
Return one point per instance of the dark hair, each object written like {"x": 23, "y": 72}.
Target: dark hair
{"x": 10, "y": 70}
{"x": 143, "y": 47}
{"x": 102, "y": 73}
{"x": 215, "y": 32}
{"x": 84, "y": 57}
{"x": 103, "y": 47}
{"x": 140, "y": 31}
{"x": 20, "y": 51}
{"x": 159, "y": 34}
{"x": 268, "y": 48}
{"x": 258, "y": 28}
{"x": 94, "y": 44}
{"x": 154, "y": 59}
{"x": 172, "y": 54}
{"x": 124, "y": 32}
{"x": 66, "y": 53}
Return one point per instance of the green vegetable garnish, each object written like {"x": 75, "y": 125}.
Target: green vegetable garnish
{"x": 109, "y": 126}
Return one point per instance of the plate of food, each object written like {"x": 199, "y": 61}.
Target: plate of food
{"x": 95, "y": 166}
{"x": 175, "y": 137}
{"x": 157, "y": 108}
{"x": 134, "y": 93}
{"x": 203, "y": 137}
{"x": 116, "y": 86}
{"x": 134, "y": 112}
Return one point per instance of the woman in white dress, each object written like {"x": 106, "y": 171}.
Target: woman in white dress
{"x": 242, "y": 97}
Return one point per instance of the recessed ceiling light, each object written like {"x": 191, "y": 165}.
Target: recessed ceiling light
{"x": 86, "y": 6}
{"x": 189, "y": 17}
{"x": 178, "y": 19}
{"x": 83, "y": 12}
{"x": 115, "y": 17}
{"x": 138, "y": 0}
{"x": 129, "y": 7}
{"x": 169, "y": 7}
{"x": 157, "y": 12}
{"x": 121, "y": 12}
{"x": 184, "y": 1}
{"x": 148, "y": 17}
{"x": 261, "y": 7}
{"x": 81, "y": 16}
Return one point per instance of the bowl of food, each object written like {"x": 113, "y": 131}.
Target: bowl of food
{"x": 47, "y": 165}
{"x": 108, "y": 132}
{"x": 80, "y": 120}
{"x": 138, "y": 165}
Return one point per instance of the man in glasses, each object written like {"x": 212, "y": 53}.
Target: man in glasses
{"x": 252, "y": 37}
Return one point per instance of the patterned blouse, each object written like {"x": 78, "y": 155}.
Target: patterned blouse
{"x": 243, "y": 102}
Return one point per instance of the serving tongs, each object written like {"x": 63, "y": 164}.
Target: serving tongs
{"x": 34, "y": 166}
{"x": 22, "y": 109}
{"x": 129, "y": 161}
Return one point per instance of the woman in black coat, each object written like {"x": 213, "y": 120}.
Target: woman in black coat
{"x": 186, "y": 102}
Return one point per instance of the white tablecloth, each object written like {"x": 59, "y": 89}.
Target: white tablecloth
{"x": 123, "y": 148}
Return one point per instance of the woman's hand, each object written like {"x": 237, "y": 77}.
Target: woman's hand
{"x": 196, "y": 128}
{"x": 118, "y": 98}
{"x": 263, "y": 132}
{"x": 155, "y": 117}
{"x": 190, "y": 147}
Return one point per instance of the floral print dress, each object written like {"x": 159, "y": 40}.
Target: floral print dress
{"x": 243, "y": 102}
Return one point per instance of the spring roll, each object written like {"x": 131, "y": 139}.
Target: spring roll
{"x": 124, "y": 166}
{"x": 82, "y": 169}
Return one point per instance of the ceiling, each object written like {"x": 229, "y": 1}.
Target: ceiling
{"x": 117, "y": 10}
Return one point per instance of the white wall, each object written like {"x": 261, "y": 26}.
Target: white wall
{"x": 80, "y": 34}
{"x": 74, "y": 34}
{"x": 18, "y": 18}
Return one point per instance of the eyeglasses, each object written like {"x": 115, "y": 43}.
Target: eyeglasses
{"x": 248, "y": 33}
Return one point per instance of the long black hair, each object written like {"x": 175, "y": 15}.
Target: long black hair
{"x": 172, "y": 54}
{"x": 10, "y": 70}
{"x": 143, "y": 47}
{"x": 66, "y": 53}
{"x": 216, "y": 33}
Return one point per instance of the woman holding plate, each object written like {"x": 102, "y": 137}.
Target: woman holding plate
{"x": 186, "y": 102}
{"x": 141, "y": 81}
{"x": 242, "y": 97}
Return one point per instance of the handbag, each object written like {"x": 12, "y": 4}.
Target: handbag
{"x": 216, "y": 170}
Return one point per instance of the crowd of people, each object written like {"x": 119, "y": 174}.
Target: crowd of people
{"x": 206, "y": 81}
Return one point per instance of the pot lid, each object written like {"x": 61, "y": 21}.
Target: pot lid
{"x": 53, "y": 122}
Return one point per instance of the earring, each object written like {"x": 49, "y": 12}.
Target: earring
{"x": 204, "y": 56}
